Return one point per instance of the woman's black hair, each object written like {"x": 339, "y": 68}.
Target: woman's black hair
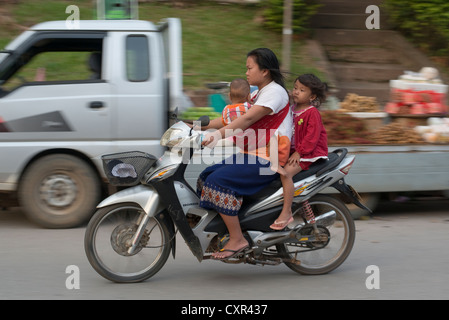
{"x": 317, "y": 87}
{"x": 267, "y": 60}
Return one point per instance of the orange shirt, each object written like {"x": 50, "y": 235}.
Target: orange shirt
{"x": 233, "y": 111}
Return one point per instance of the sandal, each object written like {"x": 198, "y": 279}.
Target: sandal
{"x": 233, "y": 254}
{"x": 280, "y": 225}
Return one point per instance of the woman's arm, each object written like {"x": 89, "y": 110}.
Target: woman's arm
{"x": 216, "y": 123}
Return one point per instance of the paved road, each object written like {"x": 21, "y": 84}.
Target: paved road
{"x": 406, "y": 243}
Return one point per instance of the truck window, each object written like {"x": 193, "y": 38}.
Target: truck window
{"x": 52, "y": 66}
{"x": 137, "y": 58}
{"x": 54, "y": 60}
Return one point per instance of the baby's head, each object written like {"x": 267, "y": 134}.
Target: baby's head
{"x": 239, "y": 91}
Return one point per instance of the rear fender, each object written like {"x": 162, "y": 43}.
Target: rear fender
{"x": 350, "y": 194}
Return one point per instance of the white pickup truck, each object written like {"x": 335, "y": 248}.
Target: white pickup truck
{"x": 54, "y": 129}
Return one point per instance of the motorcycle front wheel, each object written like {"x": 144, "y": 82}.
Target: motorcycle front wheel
{"x": 109, "y": 236}
{"x": 336, "y": 245}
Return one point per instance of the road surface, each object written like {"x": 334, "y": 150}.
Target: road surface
{"x": 400, "y": 253}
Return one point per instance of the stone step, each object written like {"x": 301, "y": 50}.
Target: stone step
{"x": 347, "y": 7}
{"x": 362, "y": 54}
{"x": 353, "y": 37}
{"x": 369, "y": 72}
{"x": 339, "y": 20}
{"x": 381, "y": 91}
{"x": 355, "y": 21}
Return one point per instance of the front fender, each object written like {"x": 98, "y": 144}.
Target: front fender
{"x": 145, "y": 196}
{"x": 148, "y": 199}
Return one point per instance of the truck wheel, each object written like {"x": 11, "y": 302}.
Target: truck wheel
{"x": 59, "y": 191}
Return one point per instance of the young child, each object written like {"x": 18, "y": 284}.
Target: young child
{"x": 239, "y": 95}
{"x": 309, "y": 140}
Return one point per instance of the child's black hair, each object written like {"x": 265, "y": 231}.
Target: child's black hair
{"x": 317, "y": 87}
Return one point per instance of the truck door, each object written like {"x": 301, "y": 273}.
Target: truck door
{"x": 141, "y": 116}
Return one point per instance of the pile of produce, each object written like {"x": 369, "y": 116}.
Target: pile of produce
{"x": 418, "y": 93}
{"x": 436, "y": 131}
{"x": 344, "y": 129}
{"x": 355, "y": 103}
{"x": 194, "y": 113}
{"x": 395, "y": 133}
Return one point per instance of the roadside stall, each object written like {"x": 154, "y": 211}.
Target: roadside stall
{"x": 402, "y": 148}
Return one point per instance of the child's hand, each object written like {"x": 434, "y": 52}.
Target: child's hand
{"x": 294, "y": 159}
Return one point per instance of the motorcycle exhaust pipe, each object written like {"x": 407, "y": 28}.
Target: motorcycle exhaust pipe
{"x": 327, "y": 219}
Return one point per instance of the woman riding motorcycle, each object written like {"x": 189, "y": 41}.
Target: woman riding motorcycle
{"x": 223, "y": 185}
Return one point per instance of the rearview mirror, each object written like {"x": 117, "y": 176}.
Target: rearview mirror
{"x": 204, "y": 120}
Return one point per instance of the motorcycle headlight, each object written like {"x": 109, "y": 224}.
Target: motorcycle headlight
{"x": 171, "y": 137}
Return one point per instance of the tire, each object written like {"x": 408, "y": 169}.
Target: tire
{"x": 107, "y": 238}
{"x": 59, "y": 191}
{"x": 335, "y": 252}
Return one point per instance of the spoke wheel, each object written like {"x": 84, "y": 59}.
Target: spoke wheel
{"x": 109, "y": 236}
{"x": 334, "y": 243}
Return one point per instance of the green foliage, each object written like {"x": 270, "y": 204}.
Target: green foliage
{"x": 303, "y": 10}
{"x": 216, "y": 37}
{"x": 28, "y": 13}
{"x": 424, "y": 21}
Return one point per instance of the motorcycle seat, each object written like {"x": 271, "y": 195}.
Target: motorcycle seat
{"x": 319, "y": 167}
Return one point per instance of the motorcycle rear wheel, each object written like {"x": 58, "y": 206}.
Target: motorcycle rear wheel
{"x": 107, "y": 239}
{"x": 331, "y": 254}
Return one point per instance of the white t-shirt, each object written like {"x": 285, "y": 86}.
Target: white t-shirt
{"x": 275, "y": 97}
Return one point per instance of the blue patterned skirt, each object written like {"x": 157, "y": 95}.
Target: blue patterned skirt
{"x": 221, "y": 187}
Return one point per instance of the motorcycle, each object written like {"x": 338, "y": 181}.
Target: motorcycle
{"x": 131, "y": 235}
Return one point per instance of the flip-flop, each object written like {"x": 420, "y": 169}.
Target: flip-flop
{"x": 282, "y": 224}
{"x": 234, "y": 253}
